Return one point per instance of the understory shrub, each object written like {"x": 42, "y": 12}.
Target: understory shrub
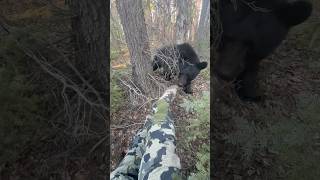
{"x": 198, "y": 133}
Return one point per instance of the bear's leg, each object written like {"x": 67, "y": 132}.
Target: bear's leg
{"x": 187, "y": 88}
{"x": 246, "y": 85}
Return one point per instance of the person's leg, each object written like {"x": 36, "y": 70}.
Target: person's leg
{"x": 129, "y": 166}
{"x": 160, "y": 160}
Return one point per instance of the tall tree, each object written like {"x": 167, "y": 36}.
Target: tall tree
{"x": 182, "y": 22}
{"x": 134, "y": 27}
{"x": 196, "y": 10}
{"x": 90, "y": 25}
{"x": 167, "y": 17}
{"x": 203, "y": 22}
{"x": 116, "y": 33}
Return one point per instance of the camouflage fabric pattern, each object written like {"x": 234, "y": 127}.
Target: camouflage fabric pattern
{"x": 152, "y": 154}
{"x": 129, "y": 167}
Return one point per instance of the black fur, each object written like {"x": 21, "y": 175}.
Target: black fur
{"x": 184, "y": 58}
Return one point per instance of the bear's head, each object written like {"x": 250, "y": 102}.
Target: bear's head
{"x": 250, "y": 35}
{"x": 189, "y": 72}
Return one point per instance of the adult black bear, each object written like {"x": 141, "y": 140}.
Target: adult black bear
{"x": 180, "y": 59}
{"x": 251, "y": 31}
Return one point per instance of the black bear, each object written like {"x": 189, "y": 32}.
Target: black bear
{"x": 179, "y": 59}
{"x": 251, "y": 31}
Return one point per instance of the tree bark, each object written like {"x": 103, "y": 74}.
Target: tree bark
{"x": 90, "y": 25}
{"x": 115, "y": 29}
{"x": 182, "y": 21}
{"x": 134, "y": 27}
{"x": 205, "y": 9}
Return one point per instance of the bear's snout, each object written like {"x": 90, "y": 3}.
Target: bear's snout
{"x": 182, "y": 81}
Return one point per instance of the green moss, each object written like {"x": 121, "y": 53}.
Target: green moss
{"x": 162, "y": 112}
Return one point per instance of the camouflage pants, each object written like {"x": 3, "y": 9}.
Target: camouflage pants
{"x": 152, "y": 154}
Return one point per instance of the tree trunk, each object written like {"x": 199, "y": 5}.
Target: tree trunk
{"x": 133, "y": 23}
{"x": 90, "y": 24}
{"x": 203, "y": 23}
{"x": 195, "y": 19}
{"x": 182, "y": 21}
{"x": 191, "y": 8}
{"x": 116, "y": 35}
{"x": 167, "y": 17}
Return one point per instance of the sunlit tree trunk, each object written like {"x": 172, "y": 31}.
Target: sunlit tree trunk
{"x": 182, "y": 22}
{"x": 133, "y": 23}
{"x": 203, "y": 22}
{"x": 196, "y": 5}
{"x": 114, "y": 33}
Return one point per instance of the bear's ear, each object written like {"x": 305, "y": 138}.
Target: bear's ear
{"x": 202, "y": 65}
{"x": 294, "y": 13}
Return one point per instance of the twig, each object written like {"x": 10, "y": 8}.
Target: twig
{"x": 98, "y": 143}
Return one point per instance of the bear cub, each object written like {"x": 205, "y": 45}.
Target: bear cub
{"x": 249, "y": 35}
{"x": 179, "y": 59}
